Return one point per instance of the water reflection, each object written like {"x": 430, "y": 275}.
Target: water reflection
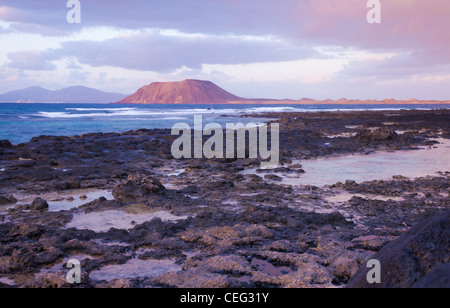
{"x": 376, "y": 166}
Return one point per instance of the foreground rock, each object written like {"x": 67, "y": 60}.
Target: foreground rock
{"x": 411, "y": 257}
{"x": 39, "y": 205}
{"x": 137, "y": 188}
{"x": 5, "y": 144}
{"x": 7, "y": 199}
{"x": 381, "y": 134}
{"x": 439, "y": 278}
{"x": 222, "y": 228}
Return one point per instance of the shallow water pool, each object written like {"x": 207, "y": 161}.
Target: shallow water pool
{"x": 135, "y": 268}
{"x": 376, "y": 166}
{"x": 104, "y": 221}
{"x": 58, "y": 201}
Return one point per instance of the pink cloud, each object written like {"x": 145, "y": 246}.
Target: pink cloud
{"x": 405, "y": 23}
{"x": 8, "y": 13}
{"x": 416, "y": 31}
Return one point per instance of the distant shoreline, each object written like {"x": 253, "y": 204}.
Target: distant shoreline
{"x": 266, "y": 102}
{"x": 288, "y": 102}
{"x": 346, "y": 102}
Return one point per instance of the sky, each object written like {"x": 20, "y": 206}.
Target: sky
{"x": 280, "y": 49}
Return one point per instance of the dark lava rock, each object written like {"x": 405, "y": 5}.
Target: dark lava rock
{"x": 102, "y": 204}
{"x": 344, "y": 267}
{"x": 39, "y": 205}
{"x": 48, "y": 281}
{"x": 273, "y": 177}
{"x": 25, "y": 230}
{"x": 5, "y": 144}
{"x": 115, "y": 284}
{"x": 381, "y": 134}
{"x": 137, "y": 188}
{"x": 333, "y": 219}
{"x": 407, "y": 260}
{"x": 439, "y": 278}
{"x": 7, "y": 199}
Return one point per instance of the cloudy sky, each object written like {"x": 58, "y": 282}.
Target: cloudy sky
{"x": 254, "y": 48}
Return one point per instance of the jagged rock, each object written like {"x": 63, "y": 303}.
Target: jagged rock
{"x": 115, "y": 284}
{"x": 48, "y": 281}
{"x": 5, "y": 144}
{"x": 374, "y": 243}
{"x": 234, "y": 265}
{"x": 193, "y": 279}
{"x": 39, "y": 205}
{"x": 7, "y": 199}
{"x": 25, "y": 230}
{"x": 381, "y": 134}
{"x": 273, "y": 177}
{"x": 439, "y": 278}
{"x": 412, "y": 256}
{"x": 137, "y": 188}
{"x": 344, "y": 267}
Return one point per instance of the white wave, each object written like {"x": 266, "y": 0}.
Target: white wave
{"x": 112, "y": 112}
{"x": 173, "y": 118}
{"x": 143, "y": 112}
{"x": 158, "y": 119}
{"x": 130, "y": 113}
{"x": 100, "y": 109}
{"x": 272, "y": 109}
{"x": 182, "y": 113}
{"x": 65, "y": 115}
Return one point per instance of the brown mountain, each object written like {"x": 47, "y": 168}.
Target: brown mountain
{"x": 184, "y": 92}
{"x": 206, "y": 92}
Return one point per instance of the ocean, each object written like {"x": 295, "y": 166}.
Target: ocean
{"x": 21, "y": 122}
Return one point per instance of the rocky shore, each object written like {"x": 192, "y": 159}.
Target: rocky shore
{"x": 135, "y": 217}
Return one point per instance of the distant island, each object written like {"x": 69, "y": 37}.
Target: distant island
{"x": 188, "y": 92}
{"x": 71, "y": 95}
{"x": 205, "y": 92}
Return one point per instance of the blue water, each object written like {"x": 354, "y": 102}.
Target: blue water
{"x": 21, "y": 122}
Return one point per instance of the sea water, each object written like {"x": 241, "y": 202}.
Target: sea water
{"x": 21, "y": 122}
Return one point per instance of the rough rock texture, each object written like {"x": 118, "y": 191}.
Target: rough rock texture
{"x": 39, "y": 205}
{"x": 7, "y": 199}
{"x": 414, "y": 255}
{"x": 5, "y": 144}
{"x": 193, "y": 279}
{"x": 439, "y": 278}
{"x": 344, "y": 267}
{"x": 137, "y": 188}
{"x": 48, "y": 281}
{"x": 233, "y": 230}
{"x": 234, "y": 265}
{"x": 381, "y": 134}
{"x": 115, "y": 284}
